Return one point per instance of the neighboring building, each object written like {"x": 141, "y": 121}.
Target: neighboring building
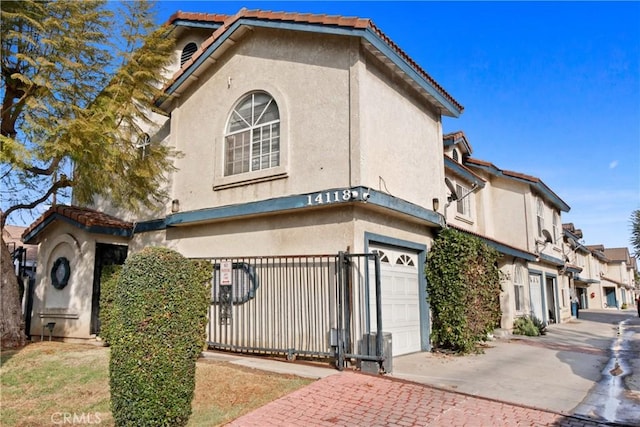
{"x": 620, "y": 271}
{"x": 519, "y": 216}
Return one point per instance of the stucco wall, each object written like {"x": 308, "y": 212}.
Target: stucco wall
{"x": 309, "y": 82}
{"x": 70, "y": 307}
{"x": 400, "y": 138}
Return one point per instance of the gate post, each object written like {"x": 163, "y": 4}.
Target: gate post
{"x": 378, "y": 311}
{"x": 340, "y": 358}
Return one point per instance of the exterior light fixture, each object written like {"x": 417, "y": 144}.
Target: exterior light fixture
{"x": 175, "y": 205}
{"x": 435, "y": 203}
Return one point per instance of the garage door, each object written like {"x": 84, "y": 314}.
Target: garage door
{"x": 400, "y": 298}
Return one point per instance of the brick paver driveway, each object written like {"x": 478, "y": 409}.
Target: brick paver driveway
{"x": 355, "y": 399}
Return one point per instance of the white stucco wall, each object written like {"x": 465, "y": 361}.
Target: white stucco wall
{"x": 400, "y": 138}
{"x": 70, "y": 307}
{"x": 308, "y": 80}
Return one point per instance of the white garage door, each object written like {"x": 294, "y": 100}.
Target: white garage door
{"x": 400, "y": 298}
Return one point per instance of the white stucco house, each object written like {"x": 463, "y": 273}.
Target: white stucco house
{"x": 300, "y": 134}
{"x": 520, "y": 216}
{"x": 309, "y": 142}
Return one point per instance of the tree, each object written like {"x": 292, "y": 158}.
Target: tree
{"x": 78, "y": 80}
{"x": 635, "y": 232}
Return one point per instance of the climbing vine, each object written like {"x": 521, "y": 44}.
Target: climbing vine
{"x": 463, "y": 290}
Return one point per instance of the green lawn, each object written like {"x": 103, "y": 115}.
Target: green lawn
{"x": 50, "y": 382}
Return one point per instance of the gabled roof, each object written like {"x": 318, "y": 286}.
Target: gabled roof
{"x": 534, "y": 182}
{"x": 232, "y": 28}
{"x": 617, "y": 254}
{"x": 462, "y": 171}
{"x": 598, "y": 252}
{"x": 457, "y": 138}
{"x": 501, "y": 247}
{"x": 84, "y": 218}
{"x": 572, "y": 229}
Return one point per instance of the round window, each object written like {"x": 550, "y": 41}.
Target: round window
{"x": 60, "y": 273}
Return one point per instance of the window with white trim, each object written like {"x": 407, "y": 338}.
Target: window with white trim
{"x": 555, "y": 227}
{"x": 540, "y": 215}
{"x": 252, "y": 139}
{"x": 518, "y": 287}
{"x": 464, "y": 202}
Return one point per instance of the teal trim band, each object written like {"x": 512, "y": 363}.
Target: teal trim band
{"x": 461, "y": 171}
{"x": 551, "y": 260}
{"x": 324, "y": 198}
{"x": 152, "y": 225}
{"x": 196, "y": 24}
{"x": 502, "y": 248}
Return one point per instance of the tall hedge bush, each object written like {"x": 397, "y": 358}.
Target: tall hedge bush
{"x": 463, "y": 290}
{"x": 108, "y": 282}
{"x": 161, "y": 301}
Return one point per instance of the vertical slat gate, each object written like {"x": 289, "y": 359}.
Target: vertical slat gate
{"x": 311, "y": 306}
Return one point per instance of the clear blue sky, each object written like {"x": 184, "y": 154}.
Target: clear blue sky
{"x": 550, "y": 89}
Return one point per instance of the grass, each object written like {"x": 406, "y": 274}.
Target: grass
{"x": 44, "y": 382}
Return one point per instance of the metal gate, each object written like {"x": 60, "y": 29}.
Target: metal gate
{"x": 312, "y": 306}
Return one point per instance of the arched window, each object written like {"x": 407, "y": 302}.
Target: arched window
{"x": 143, "y": 145}
{"x": 187, "y": 52}
{"x": 252, "y": 139}
{"x": 455, "y": 155}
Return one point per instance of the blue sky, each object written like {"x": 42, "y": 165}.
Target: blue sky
{"x": 550, "y": 89}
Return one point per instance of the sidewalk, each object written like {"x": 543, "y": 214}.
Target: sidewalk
{"x": 554, "y": 371}
{"x": 517, "y": 381}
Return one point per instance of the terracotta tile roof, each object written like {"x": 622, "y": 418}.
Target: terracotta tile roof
{"x": 307, "y": 18}
{"x": 537, "y": 182}
{"x": 85, "y": 217}
{"x": 505, "y": 172}
{"x": 481, "y": 180}
{"x": 506, "y": 245}
{"x": 200, "y": 17}
{"x": 617, "y": 254}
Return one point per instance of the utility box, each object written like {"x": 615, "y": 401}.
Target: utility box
{"x": 368, "y": 347}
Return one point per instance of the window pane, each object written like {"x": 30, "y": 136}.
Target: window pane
{"x": 256, "y": 147}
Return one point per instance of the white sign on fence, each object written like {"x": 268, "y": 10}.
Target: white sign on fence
{"x": 225, "y": 273}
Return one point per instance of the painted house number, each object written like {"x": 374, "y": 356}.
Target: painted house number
{"x": 330, "y": 197}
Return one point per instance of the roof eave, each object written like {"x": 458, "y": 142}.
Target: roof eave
{"x": 445, "y": 106}
{"x": 33, "y": 236}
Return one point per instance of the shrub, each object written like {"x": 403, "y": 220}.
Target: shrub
{"x": 161, "y": 301}
{"x": 108, "y": 281}
{"x": 529, "y": 325}
{"x": 463, "y": 290}
{"x": 524, "y": 326}
{"x": 542, "y": 328}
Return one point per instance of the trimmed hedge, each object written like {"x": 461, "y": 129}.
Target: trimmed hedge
{"x": 108, "y": 281}
{"x": 160, "y": 304}
{"x": 463, "y": 290}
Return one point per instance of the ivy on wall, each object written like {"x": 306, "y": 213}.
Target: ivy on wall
{"x": 463, "y": 290}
